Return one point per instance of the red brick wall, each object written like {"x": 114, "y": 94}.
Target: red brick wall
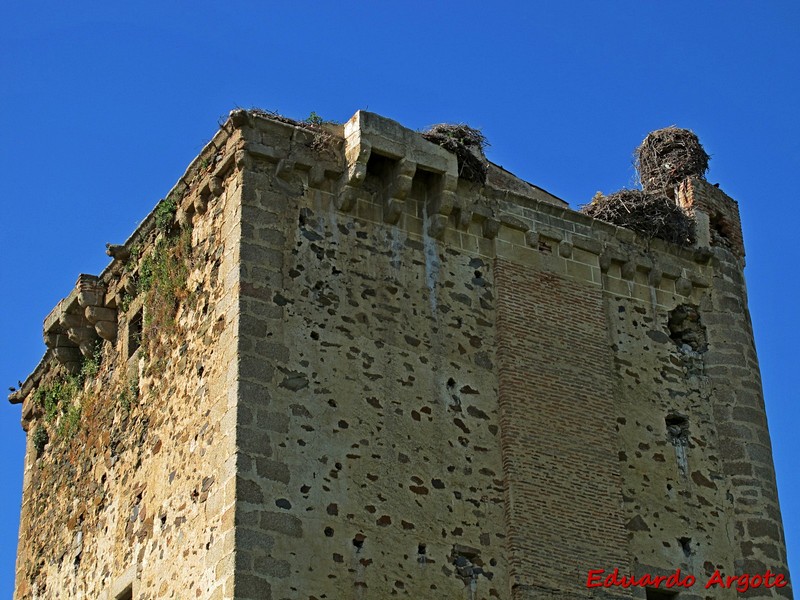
{"x": 722, "y": 210}
{"x": 557, "y": 433}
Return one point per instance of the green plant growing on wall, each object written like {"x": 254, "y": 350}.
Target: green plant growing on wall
{"x": 164, "y": 213}
{"x": 162, "y": 278}
{"x": 91, "y": 365}
{"x": 70, "y": 422}
{"x": 40, "y": 439}
{"x": 129, "y": 394}
{"x": 58, "y": 398}
{"x": 55, "y": 396}
{"x": 316, "y": 123}
{"x": 314, "y": 119}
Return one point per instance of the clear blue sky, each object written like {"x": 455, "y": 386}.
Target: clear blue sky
{"x": 103, "y": 107}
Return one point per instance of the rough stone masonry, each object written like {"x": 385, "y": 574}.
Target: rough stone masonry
{"x": 327, "y": 366}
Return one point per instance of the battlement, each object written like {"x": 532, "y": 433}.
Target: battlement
{"x": 334, "y": 359}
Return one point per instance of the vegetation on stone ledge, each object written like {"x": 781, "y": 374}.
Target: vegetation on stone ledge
{"x": 59, "y": 400}
{"x": 164, "y": 213}
{"x": 162, "y": 277}
{"x": 40, "y": 439}
{"x": 467, "y": 143}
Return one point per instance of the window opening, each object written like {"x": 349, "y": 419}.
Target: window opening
{"x": 135, "y": 333}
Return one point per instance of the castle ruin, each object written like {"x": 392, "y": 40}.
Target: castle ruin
{"x": 329, "y": 365}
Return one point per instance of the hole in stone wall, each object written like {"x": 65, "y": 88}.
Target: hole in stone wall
{"x": 421, "y": 554}
{"x": 468, "y": 564}
{"x": 126, "y": 594}
{"x": 686, "y": 546}
{"x": 653, "y": 594}
{"x": 678, "y": 436}
{"x": 721, "y": 230}
{"x": 358, "y": 541}
{"x": 677, "y": 428}
{"x": 135, "y": 332}
{"x": 686, "y": 328}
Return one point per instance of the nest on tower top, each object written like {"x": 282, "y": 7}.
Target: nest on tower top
{"x": 668, "y": 156}
{"x": 467, "y": 143}
{"x": 651, "y": 215}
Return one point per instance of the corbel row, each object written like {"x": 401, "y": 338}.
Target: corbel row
{"x": 74, "y": 326}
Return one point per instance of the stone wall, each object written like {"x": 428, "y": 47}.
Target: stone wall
{"x": 386, "y": 381}
{"x": 370, "y": 460}
{"x": 138, "y": 491}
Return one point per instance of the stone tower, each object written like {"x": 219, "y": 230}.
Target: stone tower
{"x": 331, "y": 366}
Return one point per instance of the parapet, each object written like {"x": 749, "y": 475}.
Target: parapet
{"x": 337, "y": 160}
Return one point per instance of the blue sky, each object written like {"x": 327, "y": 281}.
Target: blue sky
{"x": 103, "y": 107}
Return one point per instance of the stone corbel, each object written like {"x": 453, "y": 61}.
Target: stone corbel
{"x": 284, "y": 168}
{"x": 398, "y": 190}
{"x": 118, "y": 252}
{"x": 91, "y": 298}
{"x": 63, "y": 348}
{"x": 357, "y": 153}
{"x": 442, "y": 203}
{"x": 490, "y": 228}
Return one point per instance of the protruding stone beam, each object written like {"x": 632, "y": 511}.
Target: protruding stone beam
{"x": 357, "y": 151}
{"x": 56, "y": 338}
{"x": 118, "y": 252}
{"x": 79, "y": 331}
{"x": 91, "y": 298}
{"x": 73, "y": 326}
{"x": 491, "y": 227}
{"x": 367, "y": 134}
{"x": 442, "y": 202}
{"x": 398, "y": 190}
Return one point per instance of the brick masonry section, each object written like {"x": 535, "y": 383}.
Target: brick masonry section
{"x": 382, "y": 380}
{"x": 558, "y": 449}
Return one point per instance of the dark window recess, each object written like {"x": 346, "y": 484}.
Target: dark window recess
{"x": 677, "y": 429}
{"x": 686, "y": 546}
{"x": 678, "y": 436}
{"x": 379, "y": 172}
{"x": 653, "y": 594}
{"x": 721, "y": 231}
{"x": 686, "y": 329}
{"x": 425, "y": 184}
{"x": 126, "y": 594}
{"x": 421, "y": 552}
{"x": 134, "y": 333}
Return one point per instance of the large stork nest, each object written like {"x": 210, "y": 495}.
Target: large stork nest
{"x": 467, "y": 143}
{"x": 652, "y": 215}
{"x": 668, "y": 156}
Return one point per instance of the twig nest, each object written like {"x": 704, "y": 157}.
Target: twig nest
{"x": 467, "y": 143}
{"x": 668, "y": 156}
{"x": 651, "y": 215}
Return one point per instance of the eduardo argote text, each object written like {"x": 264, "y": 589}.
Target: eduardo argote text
{"x": 608, "y": 579}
